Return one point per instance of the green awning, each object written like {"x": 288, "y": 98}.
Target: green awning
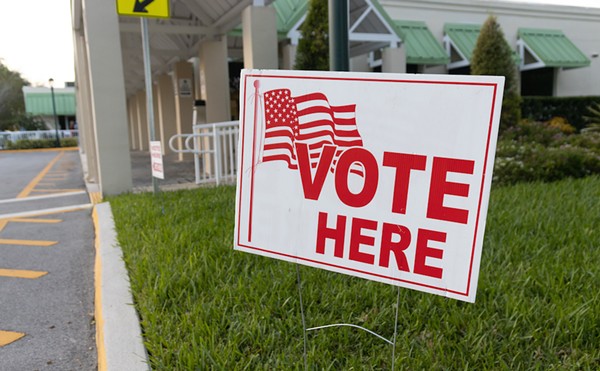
{"x": 421, "y": 45}
{"x": 40, "y": 104}
{"x": 462, "y": 38}
{"x": 549, "y": 48}
{"x": 287, "y": 12}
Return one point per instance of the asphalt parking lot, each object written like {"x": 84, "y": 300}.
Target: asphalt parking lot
{"x": 46, "y": 263}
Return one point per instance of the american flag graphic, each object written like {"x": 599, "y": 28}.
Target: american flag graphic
{"x": 306, "y": 119}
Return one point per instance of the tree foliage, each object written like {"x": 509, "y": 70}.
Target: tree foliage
{"x": 313, "y": 47}
{"x": 12, "y": 105}
{"x": 493, "y": 56}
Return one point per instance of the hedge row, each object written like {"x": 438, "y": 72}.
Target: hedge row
{"x": 574, "y": 109}
{"x": 41, "y": 143}
{"x": 537, "y": 151}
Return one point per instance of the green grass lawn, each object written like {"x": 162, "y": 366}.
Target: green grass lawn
{"x": 205, "y": 306}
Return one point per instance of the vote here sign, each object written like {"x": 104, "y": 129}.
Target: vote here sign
{"x": 380, "y": 176}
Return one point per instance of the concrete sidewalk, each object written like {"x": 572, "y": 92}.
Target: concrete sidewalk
{"x": 118, "y": 333}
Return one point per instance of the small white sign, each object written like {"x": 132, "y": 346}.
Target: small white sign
{"x": 185, "y": 87}
{"x": 156, "y": 160}
{"x": 380, "y": 176}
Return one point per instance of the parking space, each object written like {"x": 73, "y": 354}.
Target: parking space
{"x": 46, "y": 263}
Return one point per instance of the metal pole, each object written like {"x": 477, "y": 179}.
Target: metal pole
{"x": 54, "y": 111}
{"x": 148, "y": 76}
{"x": 338, "y": 35}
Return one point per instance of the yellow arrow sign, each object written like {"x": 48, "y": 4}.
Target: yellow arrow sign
{"x": 144, "y": 8}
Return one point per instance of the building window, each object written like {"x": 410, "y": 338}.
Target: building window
{"x": 538, "y": 82}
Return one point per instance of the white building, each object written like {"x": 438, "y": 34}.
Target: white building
{"x": 566, "y": 39}
{"x": 558, "y": 48}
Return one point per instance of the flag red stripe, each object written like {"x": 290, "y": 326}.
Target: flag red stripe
{"x": 308, "y": 119}
{"x": 327, "y": 124}
{"x": 336, "y": 140}
{"x": 327, "y": 110}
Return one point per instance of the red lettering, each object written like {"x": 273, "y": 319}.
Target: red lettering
{"x": 312, "y": 186}
{"x": 403, "y": 163}
{"x": 439, "y": 187}
{"x": 388, "y": 246}
{"x": 424, "y": 251}
{"x": 371, "y": 177}
{"x": 395, "y": 239}
{"x": 357, "y": 239}
{"x": 336, "y": 234}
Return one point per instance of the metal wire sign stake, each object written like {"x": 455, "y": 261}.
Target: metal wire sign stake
{"x": 305, "y": 329}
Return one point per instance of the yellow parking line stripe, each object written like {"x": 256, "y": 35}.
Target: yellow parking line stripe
{"x": 55, "y": 210}
{"x": 34, "y": 220}
{"x": 7, "y": 241}
{"x": 18, "y": 273}
{"x": 50, "y": 190}
{"x": 3, "y": 224}
{"x": 27, "y": 190}
{"x": 42, "y": 197}
{"x": 7, "y": 337}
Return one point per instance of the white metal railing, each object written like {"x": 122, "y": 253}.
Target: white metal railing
{"x": 214, "y": 147}
{"x": 13, "y": 136}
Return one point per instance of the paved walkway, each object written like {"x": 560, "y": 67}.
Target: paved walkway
{"x": 178, "y": 174}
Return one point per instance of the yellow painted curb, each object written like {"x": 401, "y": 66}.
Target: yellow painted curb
{"x": 95, "y": 197}
{"x": 98, "y": 297}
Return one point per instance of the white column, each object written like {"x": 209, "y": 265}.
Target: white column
{"x": 394, "y": 59}
{"x": 142, "y": 120}
{"x": 132, "y": 111}
{"x": 289, "y": 57}
{"x": 184, "y": 102}
{"x": 166, "y": 117}
{"x": 360, "y": 63}
{"x": 260, "y": 37}
{"x": 85, "y": 119}
{"x": 107, "y": 88}
{"x": 214, "y": 77}
{"x": 155, "y": 113}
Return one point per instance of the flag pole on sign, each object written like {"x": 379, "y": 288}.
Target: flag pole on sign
{"x": 254, "y": 161}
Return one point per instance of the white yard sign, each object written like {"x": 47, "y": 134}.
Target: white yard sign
{"x": 380, "y": 176}
{"x": 156, "y": 160}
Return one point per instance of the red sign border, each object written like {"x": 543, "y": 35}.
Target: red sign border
{"x": 435, "y": 82}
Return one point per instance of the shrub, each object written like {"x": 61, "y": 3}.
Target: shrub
{"x": 313, "y": 47}
{"x": 536, "y": 151}
{"x": 533, "y": 132}
{"x": 41, "y": 143}
{"x": 573, "y": 109}
{"x": 493, "y": 56}
{"x": 561, "y": 124}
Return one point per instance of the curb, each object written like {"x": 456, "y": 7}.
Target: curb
{"x": 118, "y": 333}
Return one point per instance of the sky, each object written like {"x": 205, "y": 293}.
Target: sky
{"x": 36, "y": 38}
